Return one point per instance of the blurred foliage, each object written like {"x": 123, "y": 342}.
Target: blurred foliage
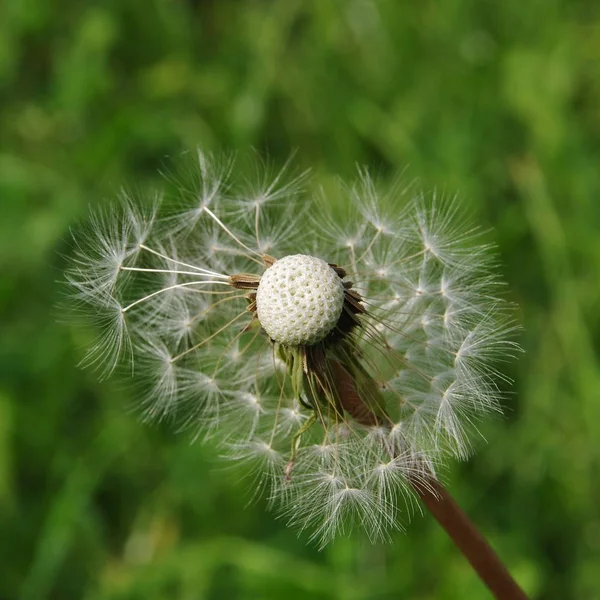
{"x": 499, "y": 100}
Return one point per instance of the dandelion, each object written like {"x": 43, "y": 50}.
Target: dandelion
{"x": 342, "y": 357}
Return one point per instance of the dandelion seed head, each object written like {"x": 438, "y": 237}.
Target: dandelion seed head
{"x": 299, "y": 300}
{"x": 334, "y": 358}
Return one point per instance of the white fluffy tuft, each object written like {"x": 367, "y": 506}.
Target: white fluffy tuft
{"x": 156, "y": 282}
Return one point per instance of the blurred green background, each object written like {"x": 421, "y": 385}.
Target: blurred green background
{"x": 497, "y": 100}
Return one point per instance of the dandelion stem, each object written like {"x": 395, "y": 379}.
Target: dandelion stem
{"x": 468, "y": 539}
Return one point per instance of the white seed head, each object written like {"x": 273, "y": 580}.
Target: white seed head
{"x": 299, "y": 300}
{"x": 339, "y": 438}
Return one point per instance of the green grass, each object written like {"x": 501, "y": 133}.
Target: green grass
{"x": 498, "y": 100}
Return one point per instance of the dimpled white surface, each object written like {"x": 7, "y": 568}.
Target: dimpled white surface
{"x": 299, "y": 300}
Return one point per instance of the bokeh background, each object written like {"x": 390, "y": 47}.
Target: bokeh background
{"x": 499, "y": 101}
